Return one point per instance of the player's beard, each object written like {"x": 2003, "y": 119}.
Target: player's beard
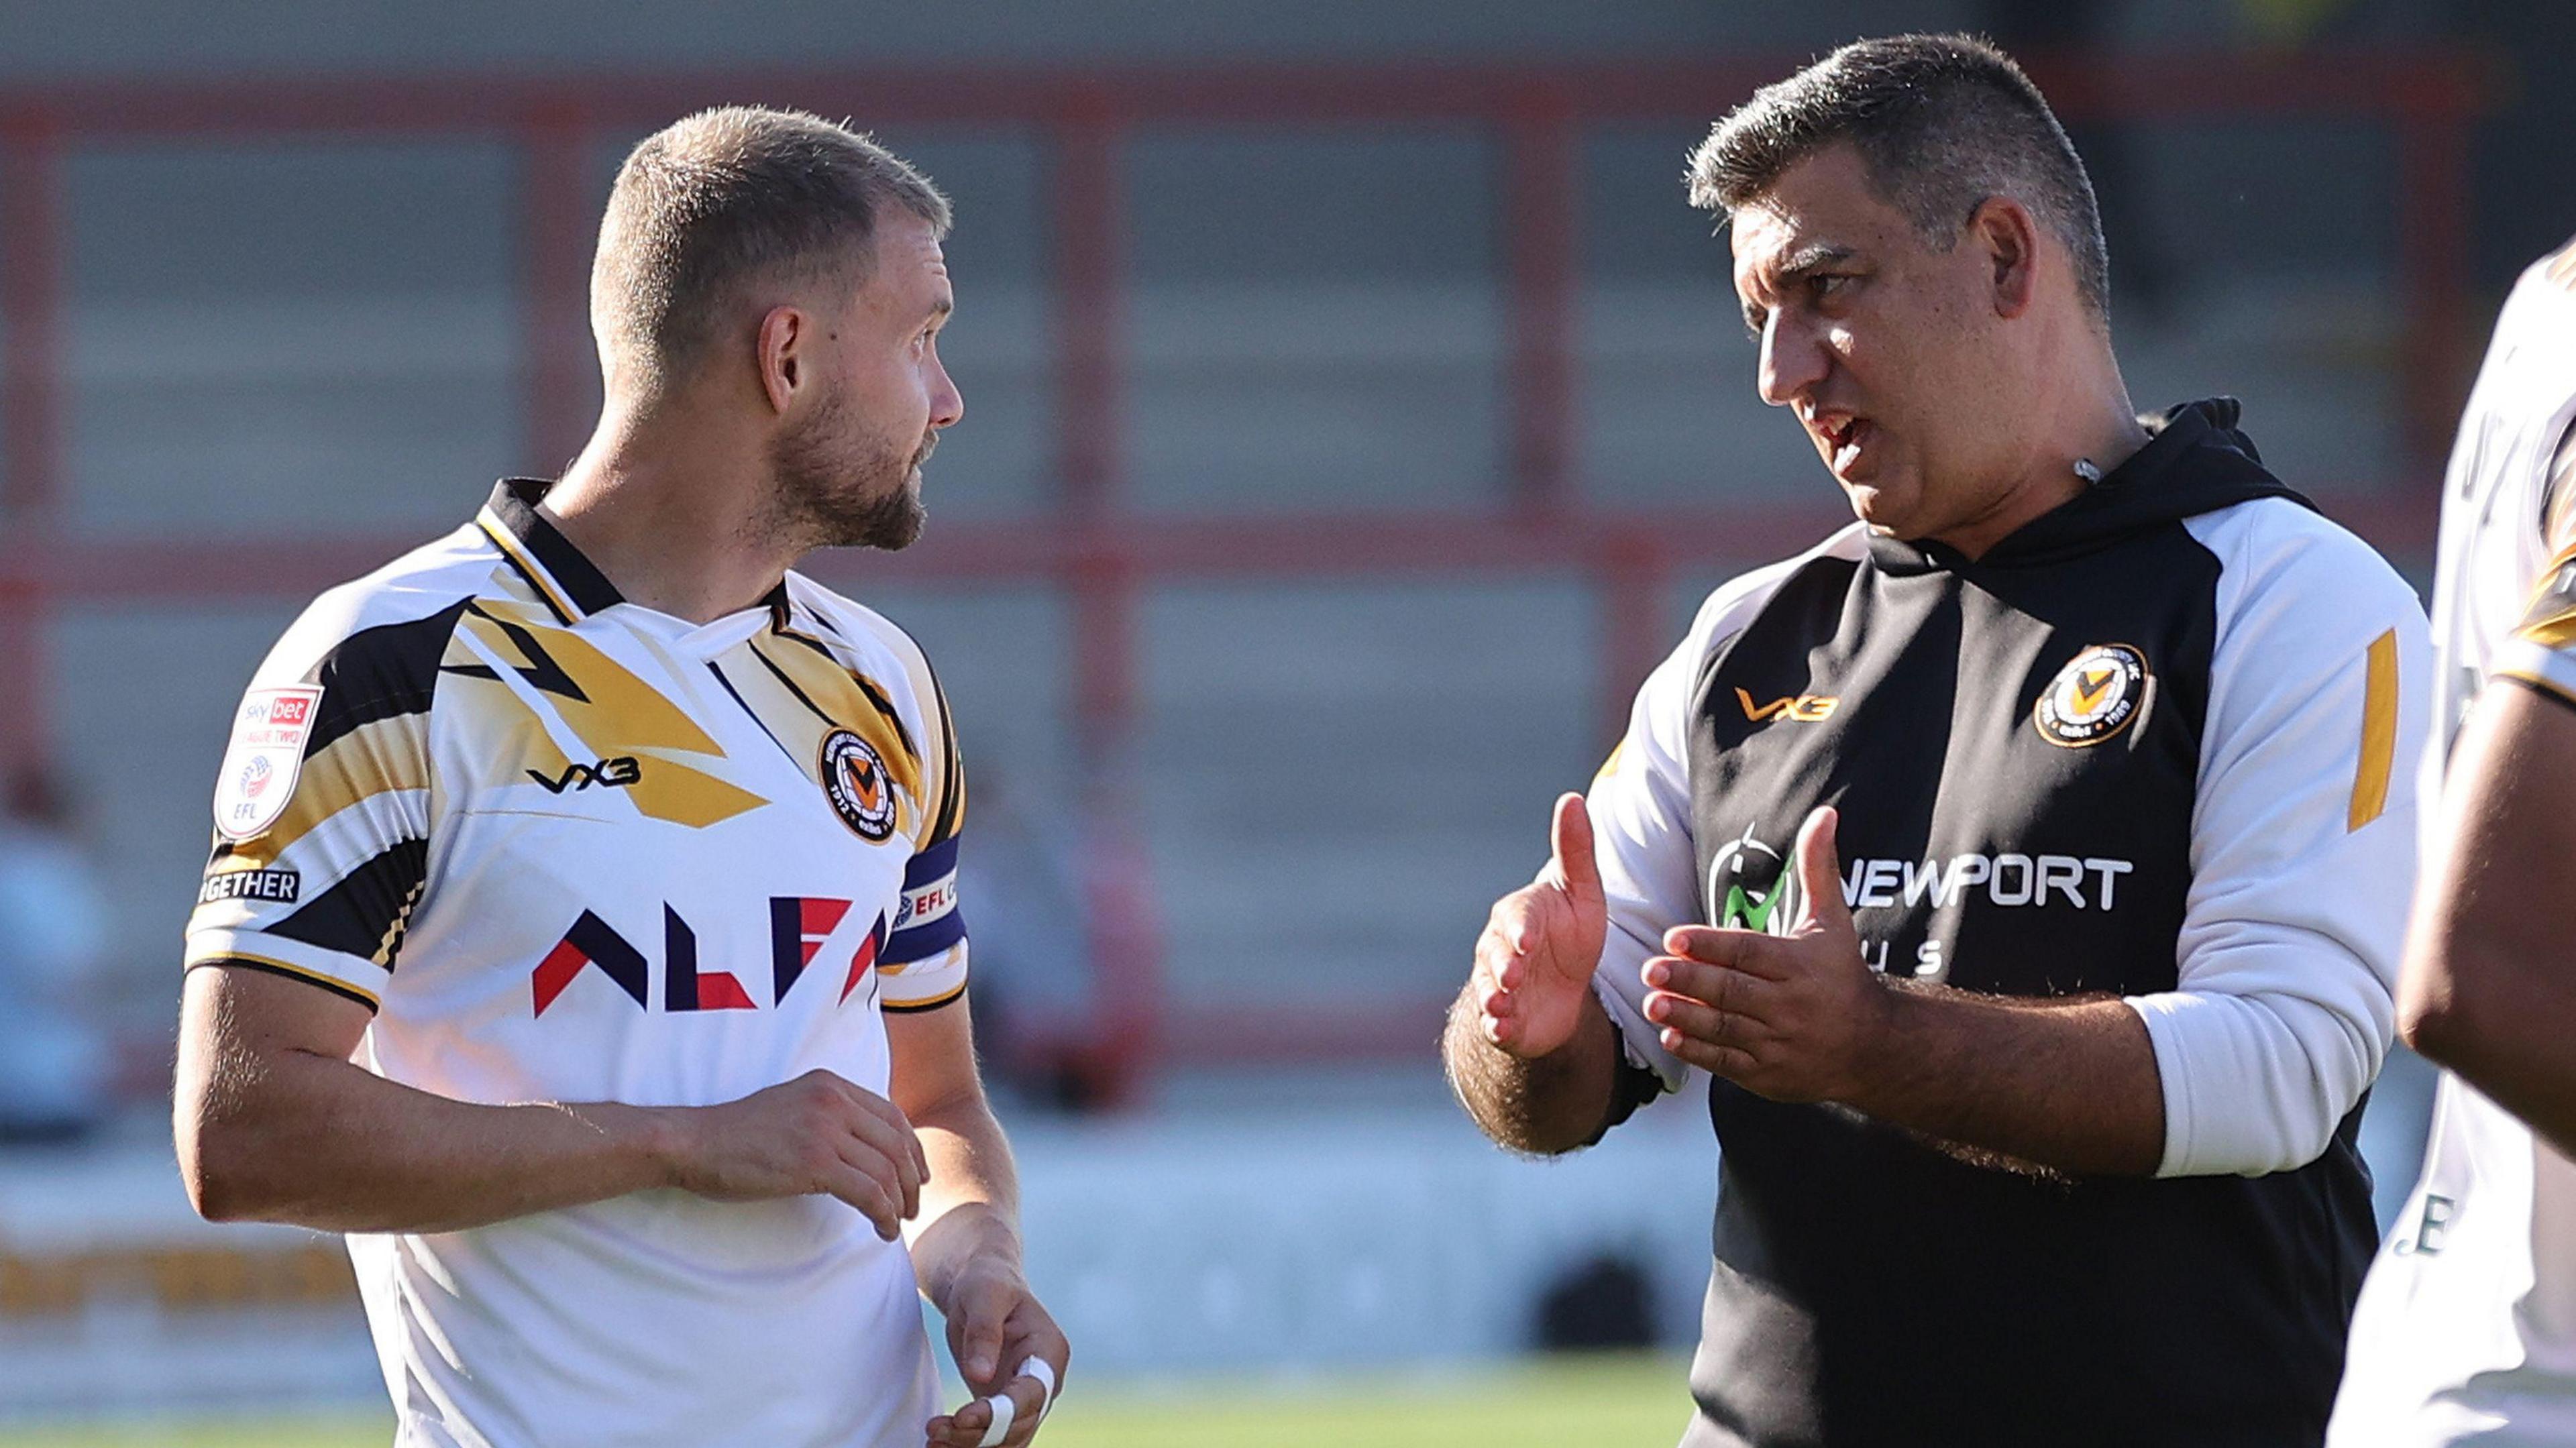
{"x": 835, "y": 491}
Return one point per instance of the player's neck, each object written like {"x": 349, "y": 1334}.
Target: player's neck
{"x": 671, "y": 512}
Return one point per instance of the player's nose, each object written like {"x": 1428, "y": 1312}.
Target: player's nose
{"x": 947, "y": 404}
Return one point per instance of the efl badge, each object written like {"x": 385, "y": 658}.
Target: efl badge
{"x": 854, "y": 779}
{"x": 2095, "y": 696}
{"x": 266, "y": 754}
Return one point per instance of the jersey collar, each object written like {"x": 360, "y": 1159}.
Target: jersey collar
{"x": 572, "y": 586}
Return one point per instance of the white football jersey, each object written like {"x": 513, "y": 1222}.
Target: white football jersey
{"x": 2466, "y": 1330}
{"x": 570, "y": 849}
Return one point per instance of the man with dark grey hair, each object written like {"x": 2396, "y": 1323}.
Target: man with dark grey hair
{"x": 581, "y": 934}
{"x": 2025, "y": 864}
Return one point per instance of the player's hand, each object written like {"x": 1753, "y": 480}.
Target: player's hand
{"x": 1534, "y": 962}
{"x": 1795, "y": 1017}
{"x": 995, "y": 1324}
{"x": 817, "y": 1134}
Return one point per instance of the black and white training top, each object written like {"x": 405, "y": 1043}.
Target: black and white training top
{"x": 2145, "y": 746}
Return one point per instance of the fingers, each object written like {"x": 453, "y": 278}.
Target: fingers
{"x": 1570, "y": 845}
{"x": 1709, "y": 1002}
{"x": 1732, "y": 1062}
{"x": 892, "y": 1115}
{"x": 1820, "y": 873}
{"x": 1768, "y": 956}
{"x": 970, "y": 1425}
{"x": 1502, "y": 952}
{"x": 862, "y": 1190}
{"x": 1503, "y": 966}
{"x": 1684, "y": 1019}
{"x": 979, "y": 1349}
{"x": 888, "y": 1152}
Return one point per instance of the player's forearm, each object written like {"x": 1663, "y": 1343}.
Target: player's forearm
{"x": 2067, "y": 1085}
{"x": 1547, "y": 1106}
{"x": 970, "y": 1204}
{"x": 2498, "y": 1014}
{"x": 320, "y": 1143}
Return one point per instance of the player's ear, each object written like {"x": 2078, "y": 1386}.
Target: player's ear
{"x": 779, "y": 355}
{"x": 2006, "y": 241}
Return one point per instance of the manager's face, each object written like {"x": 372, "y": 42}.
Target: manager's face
{"x": 1886, "y": 346}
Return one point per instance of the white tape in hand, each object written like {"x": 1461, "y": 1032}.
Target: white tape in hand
{"x": 1003, "y": 1413}
{"x": 1038, "y": 1368}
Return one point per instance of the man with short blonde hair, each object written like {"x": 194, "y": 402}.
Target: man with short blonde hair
{"x": 581, "y": 934}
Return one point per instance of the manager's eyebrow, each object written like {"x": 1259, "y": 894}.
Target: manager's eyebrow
{"x": 1798, "y": 263}
{"x": 1770, "y": 280}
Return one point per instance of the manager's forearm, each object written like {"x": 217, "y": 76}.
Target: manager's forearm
{"x": 2070, "y": 1085}
{"x": 1547, "y": 1106}
{"x": 317, "y": 1142}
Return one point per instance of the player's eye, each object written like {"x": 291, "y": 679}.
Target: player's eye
{"x": 1826, "y": 284}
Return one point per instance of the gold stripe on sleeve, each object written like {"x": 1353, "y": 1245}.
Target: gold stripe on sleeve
{"x": 2378, "y": 734}
{"x": 932, "y": 1004}
{"x": 365, "y": 997}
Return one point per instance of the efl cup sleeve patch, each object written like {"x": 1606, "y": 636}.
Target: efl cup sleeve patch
{"x": 267, "y": 752}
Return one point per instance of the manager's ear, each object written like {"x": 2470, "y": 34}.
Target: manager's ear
{"x": 2007, "y": 241}
{"x": 780, "y": 342}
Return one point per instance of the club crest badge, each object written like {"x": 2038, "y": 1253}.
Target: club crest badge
{"x": 855, "y": 781}
{"x": 261, "y": 763}
{"x": 2100, "y": 692}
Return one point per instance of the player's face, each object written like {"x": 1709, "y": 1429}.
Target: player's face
{"x": 1882, "y": 345}
{"x": 849, "y": 469}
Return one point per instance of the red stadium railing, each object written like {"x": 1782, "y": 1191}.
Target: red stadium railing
{"x": 1098, "y": 552}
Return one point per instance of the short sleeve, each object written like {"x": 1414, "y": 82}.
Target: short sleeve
{"x": 924, "y": 961}
{"x": 2542, "y": 649}
{"x": 322, "y": 807}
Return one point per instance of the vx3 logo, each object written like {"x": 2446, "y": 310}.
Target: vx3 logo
{"x": 614, "y": 773}
{"x": 1805, "y": 708}
{"x": 799, "y": 927}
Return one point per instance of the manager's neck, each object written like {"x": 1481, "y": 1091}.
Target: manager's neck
{"x": 2088, "y": 428}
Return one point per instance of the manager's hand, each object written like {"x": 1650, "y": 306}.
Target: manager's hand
{"x": 1794, "y": 1017}
{"x": 817, "y": 1134}
{"x": 1534, "y": 962}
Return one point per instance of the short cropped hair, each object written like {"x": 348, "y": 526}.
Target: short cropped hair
{"x": 728, "y": 197}
{"x": 1943, "y": 122}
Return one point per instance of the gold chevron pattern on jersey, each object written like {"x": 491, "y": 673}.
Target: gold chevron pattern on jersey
{"x": 943, "y": 807}
{"x": 477, "y": 690}
{"x": 2551, "y": 619}
{"x": 527, "y": 672}
{"x": 804, "y": 694}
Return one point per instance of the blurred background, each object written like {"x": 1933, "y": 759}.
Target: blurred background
{"x": 1355, "y": 412}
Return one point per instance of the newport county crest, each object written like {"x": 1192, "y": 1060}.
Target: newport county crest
{"x": 856, "y": 782}
{"x": 1750, "y": 887}
{"x": 2099, "y": 693}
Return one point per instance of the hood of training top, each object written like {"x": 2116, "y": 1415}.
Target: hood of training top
{"x": 2141, "y": 748}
